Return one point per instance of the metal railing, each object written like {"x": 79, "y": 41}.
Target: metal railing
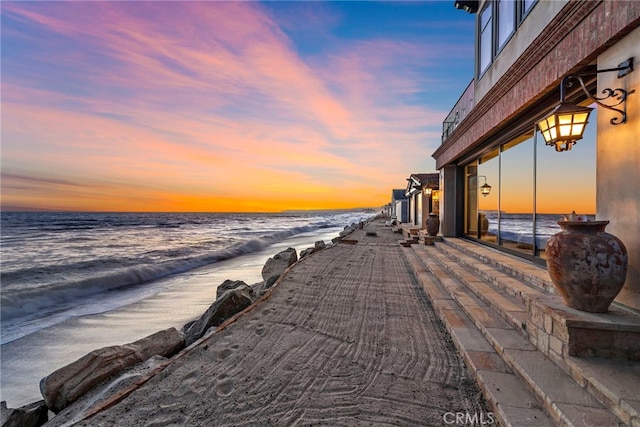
{"x": 462, "y": 108}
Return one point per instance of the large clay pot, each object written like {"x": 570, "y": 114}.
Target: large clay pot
{"x": 587, "y": 265}
{"x": 433, "y": 224}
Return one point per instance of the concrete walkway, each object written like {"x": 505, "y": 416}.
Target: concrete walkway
{"x": 347, "y": 337}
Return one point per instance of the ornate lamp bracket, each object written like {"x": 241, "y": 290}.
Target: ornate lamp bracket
{"x": 618, "y": 95}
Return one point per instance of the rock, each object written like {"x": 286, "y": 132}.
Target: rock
{"x": 336, "y": 240}
{"x": 258, "y": 288}
{"x": 228, "y": 285}
{"x": 186, "y": 326}
{"x": 320, "y": 245}
{"x": 348, "y": 230}
{"x": 31, "y": 415}
{"x": 306, "y": 252}
{"x": 231, "y": 302}
{"x": 70, "y": 382}
{"x": 103, "y": 393}
{"x": 274, "y": 267}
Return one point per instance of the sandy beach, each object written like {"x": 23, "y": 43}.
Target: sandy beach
{"x": 347, "y": 337}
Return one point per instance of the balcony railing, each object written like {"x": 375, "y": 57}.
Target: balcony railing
{"x": 463, "y": 107}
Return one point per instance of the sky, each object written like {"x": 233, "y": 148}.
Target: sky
{"x": 224, "y": 106}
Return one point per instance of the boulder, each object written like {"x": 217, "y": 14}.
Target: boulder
{"x": 347, "y": 230}
{"x": 31, "y": 415}
{"x": 231, "y": 302}
{"x": 320, "y": 245}
{"x": 306, "y": 252}
{"x": 228, "y": 285}
{"x": 70, "y": 382}
{"x": 274, "y": 267}
{"x": 258, "y": 288}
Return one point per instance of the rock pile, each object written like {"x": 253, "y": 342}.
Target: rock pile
{"x": 67, "y": 384}
{"x": 102, "y": 368}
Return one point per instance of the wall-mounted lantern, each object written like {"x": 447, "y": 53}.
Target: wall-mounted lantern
{"x": 430, "y": 188}
{"x": 566, "y": 123}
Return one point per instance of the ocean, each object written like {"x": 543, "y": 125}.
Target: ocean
{"x": 74, "y": 282}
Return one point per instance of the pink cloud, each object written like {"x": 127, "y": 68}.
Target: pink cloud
{"x": 196, "y": 96}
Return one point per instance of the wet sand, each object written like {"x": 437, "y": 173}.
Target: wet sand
{"x": 347, "y": 337}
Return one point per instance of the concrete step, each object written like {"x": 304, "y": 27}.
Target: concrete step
{"x": 515, "y": 267}
{"x": 557, "y": 330}
{"x": 498, "y": 312}
{"x": 511, "y": 402}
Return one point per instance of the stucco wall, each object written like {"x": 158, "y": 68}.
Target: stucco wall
{"x": 618, "y": 162}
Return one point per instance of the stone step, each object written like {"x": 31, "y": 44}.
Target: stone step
{"x": 562, "y": 333}
{"x": 511, "y": 307}
{"x": 565, "y": 400}
{"x": 511, "y": 402}
{"x": 527, "y": 272}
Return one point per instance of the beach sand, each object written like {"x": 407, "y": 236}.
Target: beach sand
{"x": 347, "y": 337}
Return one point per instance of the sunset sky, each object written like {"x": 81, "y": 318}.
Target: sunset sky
{"x": 224, "y": 106}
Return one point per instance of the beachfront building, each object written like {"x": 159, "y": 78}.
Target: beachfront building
{"x": 399, "y": 205}
{"x": 422, "y": 194}
{"x": 506, "y": 186}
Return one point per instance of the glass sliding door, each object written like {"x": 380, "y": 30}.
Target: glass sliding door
{"x": 481, "y": 187}
{"x": 489, "y": 198}
{"x": 516, "y": 194}
{"x": 565, "y": 182}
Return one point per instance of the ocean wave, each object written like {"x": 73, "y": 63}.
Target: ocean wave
{"x": 113, "y": 276}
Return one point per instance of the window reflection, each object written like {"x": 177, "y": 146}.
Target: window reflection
{"x": 488, "y": 205}
{"x": 516, "y": 194}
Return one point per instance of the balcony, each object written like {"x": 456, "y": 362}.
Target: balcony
{"x": 462, "y": 108}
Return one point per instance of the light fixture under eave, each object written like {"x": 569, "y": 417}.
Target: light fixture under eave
{"x": 469, "y": 6}
{"x": 427, "y": 191}
{"x": 565, "y": 125}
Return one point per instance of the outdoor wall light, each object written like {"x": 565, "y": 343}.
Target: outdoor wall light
{"x": 485, "y": 188}
{"x": 566, "y": 123}
{"x": 469, "y": 6}
{"x": 428, "y": 190}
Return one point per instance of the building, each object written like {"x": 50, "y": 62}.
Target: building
{"x": 399, "y": 205}
{"x": 502, "y": 186}
{"x": 422, "y": 194}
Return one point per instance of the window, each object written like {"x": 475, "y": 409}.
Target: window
{"x": 526, "y": 6}
{"x": 506, "y": 20}
{"x": 532, "y": 187}
{"x": 486, "y": 37}
{"x": 498, "y": 21}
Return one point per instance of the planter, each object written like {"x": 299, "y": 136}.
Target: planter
{"x": 587, "y": 265}
{"x": 433, "y": 224}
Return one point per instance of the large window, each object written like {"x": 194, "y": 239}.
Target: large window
{"x": 565, "y": 182}
{"x": 516, "y": 194}
{"x": 532, "y": 187}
